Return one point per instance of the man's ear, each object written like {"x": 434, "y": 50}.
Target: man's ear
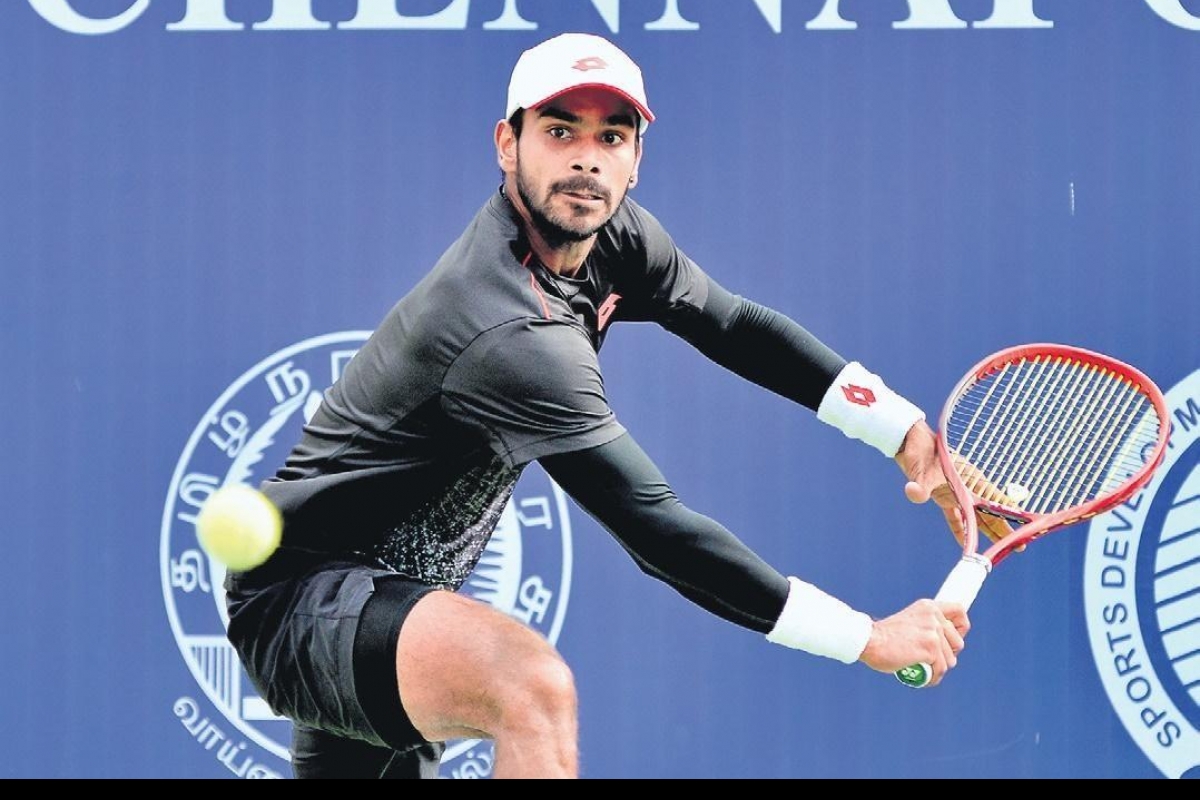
{"x": 637, "y": 162}
{"x": 506, "y": 146}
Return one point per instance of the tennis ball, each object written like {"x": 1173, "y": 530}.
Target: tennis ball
{"x": 239, "y": 526}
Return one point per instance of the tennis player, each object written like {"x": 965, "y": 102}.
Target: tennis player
{"x": 354, "y": 629}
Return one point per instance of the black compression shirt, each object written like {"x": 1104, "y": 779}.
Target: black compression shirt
{"x": 489, "y": 364}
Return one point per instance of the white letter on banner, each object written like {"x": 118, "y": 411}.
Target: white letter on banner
{"x": 672, "y": 20}
{"x": 1174, "y": 12}
{"x": 510, "y": 19}
{"x": 930, "y": 14}
{"x": 610, "y": 12}
{"x": 380, "y": 15}
{"x": 772, "y": 11}
{"x": 1014, "y": 14}
{"x": 830, "y": 19}
{"x": 926, "y": 14}
{"x": 291, "y": 15}
{"x": 60, "y": 14}
{"x": 205, "y": 15}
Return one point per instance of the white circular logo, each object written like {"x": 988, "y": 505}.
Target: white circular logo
{"x": 1142, "y": 599}
{"x": 243, "y": 438}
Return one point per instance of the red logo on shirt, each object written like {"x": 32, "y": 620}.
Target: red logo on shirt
{"x": 591, "y": 62}
{"x": 605, "y": 311}
{"x": 859, "y": 395}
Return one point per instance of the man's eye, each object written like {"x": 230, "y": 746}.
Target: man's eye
{"x": 612, "y": 137}
{"x": 559, "y": 132}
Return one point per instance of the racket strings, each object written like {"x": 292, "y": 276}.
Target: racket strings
{"x": 1045, "y": 434}
{"x": 1106, "y": 439}
{"x": 1052, "y": 424}
{"x": 1081, "y": 452}
{"x": 988, "y": 443}
{"x": 1019, "y": 448}
{"x": 1063, "y": 459}
{"x": 980, "y": 436}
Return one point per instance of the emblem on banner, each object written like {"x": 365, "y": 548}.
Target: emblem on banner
{"x": 1142, "y": 599}
{"x": 243, "y": 438}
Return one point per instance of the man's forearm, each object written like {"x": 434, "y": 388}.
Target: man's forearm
{"x": 763, "y": 346}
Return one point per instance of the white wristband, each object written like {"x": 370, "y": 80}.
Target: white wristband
{"x": 859, "y": 405}
{"x": 821, "y": 624}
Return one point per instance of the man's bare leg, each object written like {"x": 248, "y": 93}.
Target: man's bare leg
{"x": 466, "y": 671}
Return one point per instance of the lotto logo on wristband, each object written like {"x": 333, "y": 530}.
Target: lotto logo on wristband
{"x": 859, "y": 395}
{"x": 243, "y": 438}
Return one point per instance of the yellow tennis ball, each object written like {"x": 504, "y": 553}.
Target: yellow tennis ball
{"x": 239, "y": 526}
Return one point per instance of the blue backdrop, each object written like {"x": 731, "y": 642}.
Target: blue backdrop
{"x": 205, "y": 203}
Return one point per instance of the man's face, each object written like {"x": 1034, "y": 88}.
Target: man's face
{"x": 576, "y": 159}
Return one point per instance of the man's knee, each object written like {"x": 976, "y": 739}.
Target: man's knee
{"x": 547, "y": 688}
{"x": 466, "y": 668}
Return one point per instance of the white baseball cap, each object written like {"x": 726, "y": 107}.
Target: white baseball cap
{"x": 573, "y": 61}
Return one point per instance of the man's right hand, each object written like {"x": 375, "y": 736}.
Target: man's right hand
{"x": 926, "y": 631}
{"x": 919, "y": 461}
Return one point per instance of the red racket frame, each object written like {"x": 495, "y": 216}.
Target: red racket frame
{"x": 1036, "y": 525}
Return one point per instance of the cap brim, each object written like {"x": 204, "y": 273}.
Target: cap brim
{"x": 646, "y": 113}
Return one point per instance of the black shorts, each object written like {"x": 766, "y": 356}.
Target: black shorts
{"x": 319, "y": 645}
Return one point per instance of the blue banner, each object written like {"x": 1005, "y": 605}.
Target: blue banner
{"x": 208, "y": 204}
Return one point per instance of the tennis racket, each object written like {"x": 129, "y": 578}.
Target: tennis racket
{"x": 1043, "y": 435}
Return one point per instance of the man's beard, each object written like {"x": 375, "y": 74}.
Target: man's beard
{"x": 556, "y": 230}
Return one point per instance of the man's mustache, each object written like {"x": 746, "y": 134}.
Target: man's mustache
{"x": 581, "y": 185}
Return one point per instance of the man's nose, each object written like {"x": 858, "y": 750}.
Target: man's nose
{"x": 584, "y": 159}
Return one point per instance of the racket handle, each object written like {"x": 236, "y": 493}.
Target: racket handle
{"x": 961, "y": 586}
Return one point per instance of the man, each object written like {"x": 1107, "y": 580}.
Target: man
{"x": 354, "y": 630}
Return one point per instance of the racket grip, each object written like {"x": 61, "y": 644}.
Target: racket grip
{"x": 961, "y": 586}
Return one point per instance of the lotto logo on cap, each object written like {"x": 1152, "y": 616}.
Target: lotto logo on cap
{"x": 574, "y": 61}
